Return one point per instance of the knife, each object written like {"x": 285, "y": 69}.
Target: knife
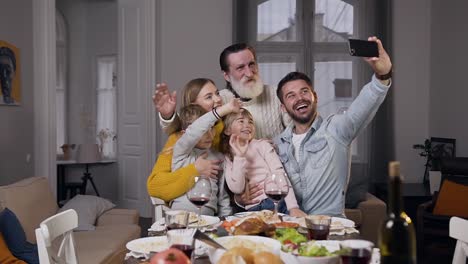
{"x": 208, "y": 240}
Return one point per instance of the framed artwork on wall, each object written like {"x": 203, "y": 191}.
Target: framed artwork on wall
{"x": 441, "y": 148}
{"x": 10, "y": 92}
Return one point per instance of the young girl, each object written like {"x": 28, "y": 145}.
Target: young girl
{"x": 197, "y": 139}
{"x": 251, "y": 160}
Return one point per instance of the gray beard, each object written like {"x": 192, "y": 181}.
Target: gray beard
{"x": 248, "y": 92}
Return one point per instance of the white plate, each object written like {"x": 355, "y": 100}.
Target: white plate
{"x": 340, "y": 223}
{"x": 337, "y": 223}
{"x": 157, "y": 244}
{"x": 207, "y": 220}
{"x": 146, "y": 244}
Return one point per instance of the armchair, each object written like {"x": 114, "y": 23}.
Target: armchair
{"x": 368, "y": 215}
{"x": 432, "y": 230}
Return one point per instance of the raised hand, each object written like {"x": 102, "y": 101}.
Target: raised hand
{"x": 382, "y": 64}
{"x": 164, "y": 101}
{"x": 206, "y": 167}
{"x": 232, "y": 106}
{"x": 237, "y": 147}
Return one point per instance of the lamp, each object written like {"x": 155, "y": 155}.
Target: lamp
{"x": 87, "y": 154}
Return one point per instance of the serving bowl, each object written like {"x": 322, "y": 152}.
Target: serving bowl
{"x": 262, "y": 244}
{"x": 331, "y": 245}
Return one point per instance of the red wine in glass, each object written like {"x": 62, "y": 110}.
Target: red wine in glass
{"x": 318, "y": 232}
{"x": 175, "y": 226}
{"x": 276, "y": 196}
{"x": 357, "y": 256}
{"x": 200, "y": 193}
{"x": 199, "y": 201}
{"x": 187, "y": 249}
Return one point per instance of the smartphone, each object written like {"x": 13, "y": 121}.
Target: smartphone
{"x": 363, "y": 48}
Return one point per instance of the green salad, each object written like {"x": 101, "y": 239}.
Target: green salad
{"x": 311, "y": 249}
{"x": 296, "y": 243}
{"x": 289, "y": 235}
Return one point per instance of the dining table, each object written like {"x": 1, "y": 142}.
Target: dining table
{"x": 220, "y": 231}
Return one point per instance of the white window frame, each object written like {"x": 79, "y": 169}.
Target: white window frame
{"x": 106, "y": 109}
{"x": 304, "y": 47}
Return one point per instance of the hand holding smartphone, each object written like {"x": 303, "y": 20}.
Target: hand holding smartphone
{"x": 363, "y": 48}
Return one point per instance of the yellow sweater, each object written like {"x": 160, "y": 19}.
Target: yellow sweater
{"x": 168, "y": 185}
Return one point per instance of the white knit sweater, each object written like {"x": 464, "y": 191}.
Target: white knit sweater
{"x": 266, "y": 112}
{"x": 265, "y": 109}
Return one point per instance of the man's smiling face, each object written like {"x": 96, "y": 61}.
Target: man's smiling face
{"x": 299, "y": 101}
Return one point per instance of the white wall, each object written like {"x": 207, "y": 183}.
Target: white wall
{"x": 193, "y": 34}
{"x": 17, "y": 126}
{"x": 430, "y": 90}
{"x": 448, "y": 114}
{"x": 411, "y": 86}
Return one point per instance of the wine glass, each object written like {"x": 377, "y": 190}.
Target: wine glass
{"x": 200, "y": 193}
{"x": 276, "y": 188}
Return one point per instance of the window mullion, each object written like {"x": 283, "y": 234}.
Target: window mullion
{"x": 307, "y": 14}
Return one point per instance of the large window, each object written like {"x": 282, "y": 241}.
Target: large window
{"x": 106, "y": 125}
{"x": 312, "y": 37}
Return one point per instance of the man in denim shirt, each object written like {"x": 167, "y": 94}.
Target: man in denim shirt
{"x": 316, "y": 152}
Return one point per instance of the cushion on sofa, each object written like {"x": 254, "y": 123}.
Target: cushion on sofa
{"x": 111, "y": 241}
{"x": 451, "y": 200}
{"x": 26, "y": 207}
{"x": 15, "y": 238}
{"x": 6, "y": 257}
{"x": 88, "y": 208}
{"x": 357, "y": 185}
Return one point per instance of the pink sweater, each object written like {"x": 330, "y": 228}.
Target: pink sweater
{"x": 259, "y": 161}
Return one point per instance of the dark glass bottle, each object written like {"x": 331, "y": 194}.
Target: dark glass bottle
{"x": 397, "y": 241}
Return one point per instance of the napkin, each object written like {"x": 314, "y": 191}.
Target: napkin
{"x": 344, "y": 231}
{"x": 136, "y": 255}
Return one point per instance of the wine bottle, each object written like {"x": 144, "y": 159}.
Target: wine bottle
{"x": 397, "y": 241}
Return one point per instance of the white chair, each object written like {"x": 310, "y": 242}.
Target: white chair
{"x": 59, "y": 225}
{"x": 159, "y": 207}
{"x": 459, "y": 230}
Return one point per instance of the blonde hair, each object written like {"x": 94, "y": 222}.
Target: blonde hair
{"x": 191, "y": 91}
{"x": 187, "y": 115}
{"x": 224, "y": 146}
{"x": 190, "y": 113}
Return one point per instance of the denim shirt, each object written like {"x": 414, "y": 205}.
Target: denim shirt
{"x": 320, "y": 179}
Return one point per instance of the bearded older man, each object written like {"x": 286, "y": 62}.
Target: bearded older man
{"x": 238, "y": 63}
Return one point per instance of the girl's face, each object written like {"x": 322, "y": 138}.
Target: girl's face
{"x": 206, "y": 140}
{"x": 208, "y": 98}
{"x": 243, "y": 126}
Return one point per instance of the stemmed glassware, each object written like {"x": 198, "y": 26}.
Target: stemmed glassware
{"x": 276, "y": 187}
{"x": 200, "y": 193}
